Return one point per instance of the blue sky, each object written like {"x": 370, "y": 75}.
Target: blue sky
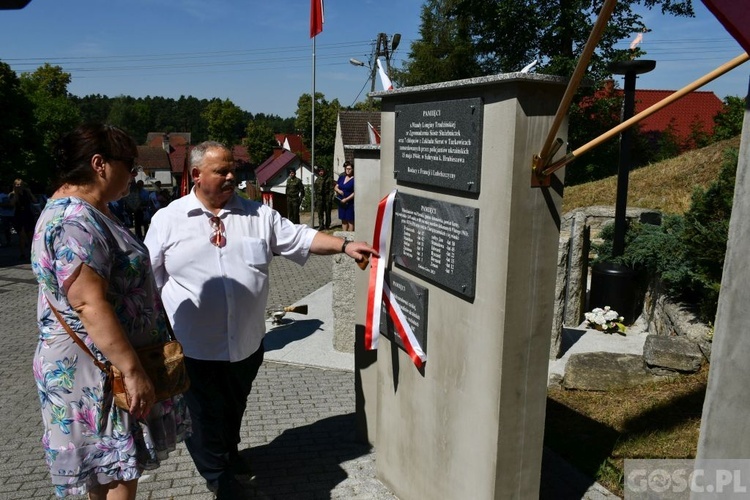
{"x": 259, "y": 54}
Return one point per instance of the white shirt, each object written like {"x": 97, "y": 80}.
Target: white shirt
{"x": 216, "y": 297}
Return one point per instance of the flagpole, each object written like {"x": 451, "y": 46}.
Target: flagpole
{"x": 312, "y": 143}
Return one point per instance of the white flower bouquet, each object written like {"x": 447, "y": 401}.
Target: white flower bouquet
{"x": 605, "y": 320}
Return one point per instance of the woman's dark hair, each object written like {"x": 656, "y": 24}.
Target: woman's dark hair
{"x": 74, "y": 151}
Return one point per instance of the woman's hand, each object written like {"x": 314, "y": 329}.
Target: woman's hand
{"x": 87, "y": 295}
{"x": 141, "y": 392}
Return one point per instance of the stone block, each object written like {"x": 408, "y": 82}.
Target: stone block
{"x": 604, "y": 371}
{"x": 672, "y": 353}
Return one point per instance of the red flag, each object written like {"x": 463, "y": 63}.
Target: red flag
{"x": 316, "y": 17}
{"x": 734, "y": 15}
{"x": 185, "y": 180}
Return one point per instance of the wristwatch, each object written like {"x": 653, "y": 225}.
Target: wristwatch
{"x": 343, "y": 246}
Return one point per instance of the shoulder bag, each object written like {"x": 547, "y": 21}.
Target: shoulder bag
{"x": 164, "y": 364}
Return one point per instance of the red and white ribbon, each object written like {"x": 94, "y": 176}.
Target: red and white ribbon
{"x": 378, "y": 292}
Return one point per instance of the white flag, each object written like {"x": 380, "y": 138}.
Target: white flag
{"x": 387, "y": 85}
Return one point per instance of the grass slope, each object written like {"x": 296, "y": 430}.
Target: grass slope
{"x": 666, "y": 186}
{"x": 597, "y": 431}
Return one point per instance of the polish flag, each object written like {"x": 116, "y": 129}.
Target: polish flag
{"x": 185, "y": 180}
{"x": 387, "y": 85}
{"x": 374, "y": 134}
{"x": 734, "y": 15}
{"x": 316, "y": 17}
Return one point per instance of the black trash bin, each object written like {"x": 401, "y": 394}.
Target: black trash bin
{"x": 614, "y": 285}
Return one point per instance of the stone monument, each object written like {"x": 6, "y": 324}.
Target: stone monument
{"x": 471, "y": 261}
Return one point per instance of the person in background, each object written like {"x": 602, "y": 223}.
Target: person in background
{"x": 6, "y": 218}
{"x": 138, "y": 201}
{"x": 98, "y": 278}
{"x": 117, "y": 208}
{"x": 295, "y": 193}
{"x": 155, "y": 198}
{"x": 24, "y": 217}
{"x": 211, "y": 252}
{"x": 323, "y": 198}
{"x": 345, "y": 194}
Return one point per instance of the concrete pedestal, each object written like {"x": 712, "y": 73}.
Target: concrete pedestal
{"x": 471, "y": 424}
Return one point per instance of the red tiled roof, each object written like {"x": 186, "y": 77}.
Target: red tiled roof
{"x": 152, "y": 158}
{"x": 296, "y": 145}
{"x": 698, "y": 106}
{"x": 273, "y": 165}
{"x": 179, "y": 157}
{"x": 694, "y": 107}
{"x": 175, "y": 138}
{"x": 240, "y": 154}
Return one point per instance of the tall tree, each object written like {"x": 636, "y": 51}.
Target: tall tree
{"x": 326, "y": 118}
{"x": 226, "y": 121}
{"x": 16, "y": 128}
{"x": 132, "y": 115}
{"x": 468, "y": 38}
{"x": 728, "y": 122}
{"x": 259, "y": 140}
{"x": 445, "y": 50}
{"x": 54, "y": 114}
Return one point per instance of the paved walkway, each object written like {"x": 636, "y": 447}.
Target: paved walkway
{"x": 299, "y": 426}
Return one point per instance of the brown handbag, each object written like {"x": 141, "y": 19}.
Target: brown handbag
{"x": 164, "y": 364}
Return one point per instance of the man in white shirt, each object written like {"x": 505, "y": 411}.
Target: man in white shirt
{"x": 210, "y": 252}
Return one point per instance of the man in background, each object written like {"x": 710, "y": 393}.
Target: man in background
{"x": 323, "y": 198}
{"x": 295, "y": 193}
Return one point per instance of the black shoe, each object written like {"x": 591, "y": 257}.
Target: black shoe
{"x": 241, "y": 466}
{"x": 227, "y": 487}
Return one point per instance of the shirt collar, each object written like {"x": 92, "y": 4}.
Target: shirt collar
{"x": 195, "y": 207}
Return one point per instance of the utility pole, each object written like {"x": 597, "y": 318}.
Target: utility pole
{"x": 383, "y": 47}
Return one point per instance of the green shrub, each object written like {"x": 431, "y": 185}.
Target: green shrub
{"x": 685, "y": 252}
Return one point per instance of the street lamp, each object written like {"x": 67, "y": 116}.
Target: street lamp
{"x": 629, "y": 69}
{"x": 614, "y": 284}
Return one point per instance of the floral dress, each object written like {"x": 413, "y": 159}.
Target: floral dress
{"x": 87, "y": 440}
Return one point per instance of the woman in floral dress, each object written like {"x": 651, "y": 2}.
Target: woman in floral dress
{"x": 98, "y": 277}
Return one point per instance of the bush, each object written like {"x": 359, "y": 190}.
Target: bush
{"x": 685, "y": 252}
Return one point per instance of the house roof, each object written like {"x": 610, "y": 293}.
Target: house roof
{"x": 699, "y": 106}
{"x": 240, "y": 154}
{"x": 295, "y": 144}
{"x": 153, "y": 158}
{"x": 354, "y": 129}
{"x": 694, "y": 107}
{"x": 156, "y": 139}
{"x": 179, "y": 157}
{"x": 273, "y": 165}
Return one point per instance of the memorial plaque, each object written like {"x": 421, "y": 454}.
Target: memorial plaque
{"x": 413, "y": 300}
{"x": 436, "y": 240}
{"x": 439, "y": 144}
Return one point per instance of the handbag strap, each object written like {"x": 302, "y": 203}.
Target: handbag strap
{"x": 169, "y": 328}
{"x": 77, "y": 339}
{"x": 80, "y": 343}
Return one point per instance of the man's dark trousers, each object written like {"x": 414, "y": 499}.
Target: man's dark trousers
{"x": 217, "y": 399}
{"x": 324, "y": 212}
{"x": 292, "y": 209}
